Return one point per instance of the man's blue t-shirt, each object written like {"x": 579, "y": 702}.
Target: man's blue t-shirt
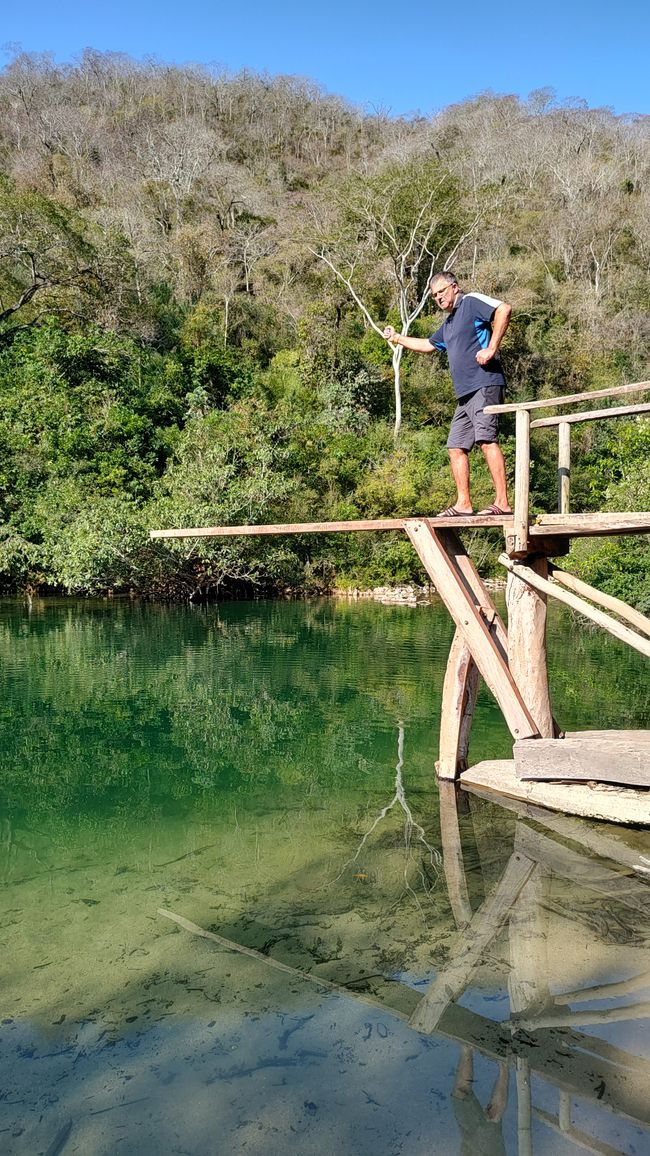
{"x": 461, "y": 335}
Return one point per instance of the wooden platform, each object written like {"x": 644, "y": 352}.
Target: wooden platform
{"x": 496, "y": 778}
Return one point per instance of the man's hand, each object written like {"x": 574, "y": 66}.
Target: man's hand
{"x": 484, "y": 355}
{"x": 390, "y": 334}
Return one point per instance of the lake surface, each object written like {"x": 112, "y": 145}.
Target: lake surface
{"x": 265, "y": 772}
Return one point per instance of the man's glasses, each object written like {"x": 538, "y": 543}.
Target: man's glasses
{"x": 441, "y": 292}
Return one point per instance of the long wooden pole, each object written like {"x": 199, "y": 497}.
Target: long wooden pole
{"x": 563, "y": 467}
{"x": 570, "y": 398}
{"x": 525, "y": 574}
{"x": 616, "y": 605}
{"x": 522, "y": 481}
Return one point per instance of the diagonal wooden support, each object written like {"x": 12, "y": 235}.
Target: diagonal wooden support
{"x": 463, "y": 593}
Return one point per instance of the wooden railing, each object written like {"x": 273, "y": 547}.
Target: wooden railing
{"x": 523, "y": 426}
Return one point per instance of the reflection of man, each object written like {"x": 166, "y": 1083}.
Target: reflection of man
{"x": 480, "y": 1129}
{"x": 470, "y": 336}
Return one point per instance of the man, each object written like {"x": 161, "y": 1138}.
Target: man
{"x": 471, "y": 336}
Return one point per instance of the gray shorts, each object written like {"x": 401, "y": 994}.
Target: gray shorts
{"x": 470, "y": 425}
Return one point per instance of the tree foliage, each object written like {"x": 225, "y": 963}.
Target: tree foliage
{"x": 193, "y": 269}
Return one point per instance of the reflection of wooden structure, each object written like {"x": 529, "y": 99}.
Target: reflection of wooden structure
{"x": 513, "y": 662}
{"x": 552, "y": 1032}
{"x": 545, "y": 1023}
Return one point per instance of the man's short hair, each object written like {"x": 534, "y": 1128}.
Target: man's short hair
{"x": 446, "y": 276}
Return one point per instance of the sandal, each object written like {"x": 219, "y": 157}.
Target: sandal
{"x": 494, "y": 511}
{"x": 452, "y": 512}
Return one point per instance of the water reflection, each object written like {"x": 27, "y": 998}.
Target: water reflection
{"x": 293, "y": 948}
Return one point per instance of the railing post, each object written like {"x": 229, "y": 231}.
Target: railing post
{"x": 563, "y": 466}
{"x": 522, "y": 481}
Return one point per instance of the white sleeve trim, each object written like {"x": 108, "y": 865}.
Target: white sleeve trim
{"x": 493, "y": 302}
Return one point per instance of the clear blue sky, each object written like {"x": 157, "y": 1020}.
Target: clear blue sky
{"x": 400, "y": 57}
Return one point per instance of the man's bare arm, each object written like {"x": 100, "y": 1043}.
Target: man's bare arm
{"x": 418, "y": 344}
{"x": 500, "y": 323}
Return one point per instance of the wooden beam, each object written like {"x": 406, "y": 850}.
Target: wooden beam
{"x": 463, "y": 606}
{"x": 590, "y": 525}
{"x": 522, "y": 482}
{"x": 379, "y": 525}
{"x": 570, "y": 398}
{"x": 616, "y": 605}
{"x": 563, "y": 467}
{"x": 602, "y": 756}
{"x": 591, "y": 415}
{"x": 282, "y": 528}
{"x": 612, "y": 625}
{"x": 459, "y": 692}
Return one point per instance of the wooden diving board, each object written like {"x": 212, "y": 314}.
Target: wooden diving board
{"x": 365, "y": 524}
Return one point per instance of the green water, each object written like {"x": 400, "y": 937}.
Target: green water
{"x": 266, "y": 772}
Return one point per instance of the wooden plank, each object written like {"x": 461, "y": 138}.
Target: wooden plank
{"x": 571, "y": 398}
{"x": 461, "y": 605}
{"x": 282, "y": 528}
{"x": 616, "y": 605}
{"x": 563, "y": 467}
{"x": 591, "y": 415}
{"x": 604, "y": 756}
{"x": 590, "y": 525}
{"x": 487, "y": 921}
{"x": 476, "y": 588}
{"x": 612, "y": 625}
{"x": 522, "y": 481}
{"x": 496, "y": 778}
{"x": 362, "y": 525}
{"x": 459, "y": 692}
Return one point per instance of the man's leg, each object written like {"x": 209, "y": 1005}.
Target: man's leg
{"x": 459, "y": 460}
{"x": 497, "y": 467}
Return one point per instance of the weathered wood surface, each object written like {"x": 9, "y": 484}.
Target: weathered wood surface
{"x": 527, "y": 646}
{"x": 459, "y": 693}
{"x": 591, "y": 415}
{"x": 570, "y": 398}
{"x": 616, "y": 605}
{"x": 522, "y": 482}
{"x": 589, "y": 525}
{"x": 361, "y": 525}
{"x": 563, "y": 467}
{"x": 438, "y": 553}
{"x": 496, "y": 778}
{"x": 612, "y": 625}
{"x": 582, "y": 756}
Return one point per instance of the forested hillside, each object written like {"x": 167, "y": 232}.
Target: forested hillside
{"x": 192, "y": 267}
